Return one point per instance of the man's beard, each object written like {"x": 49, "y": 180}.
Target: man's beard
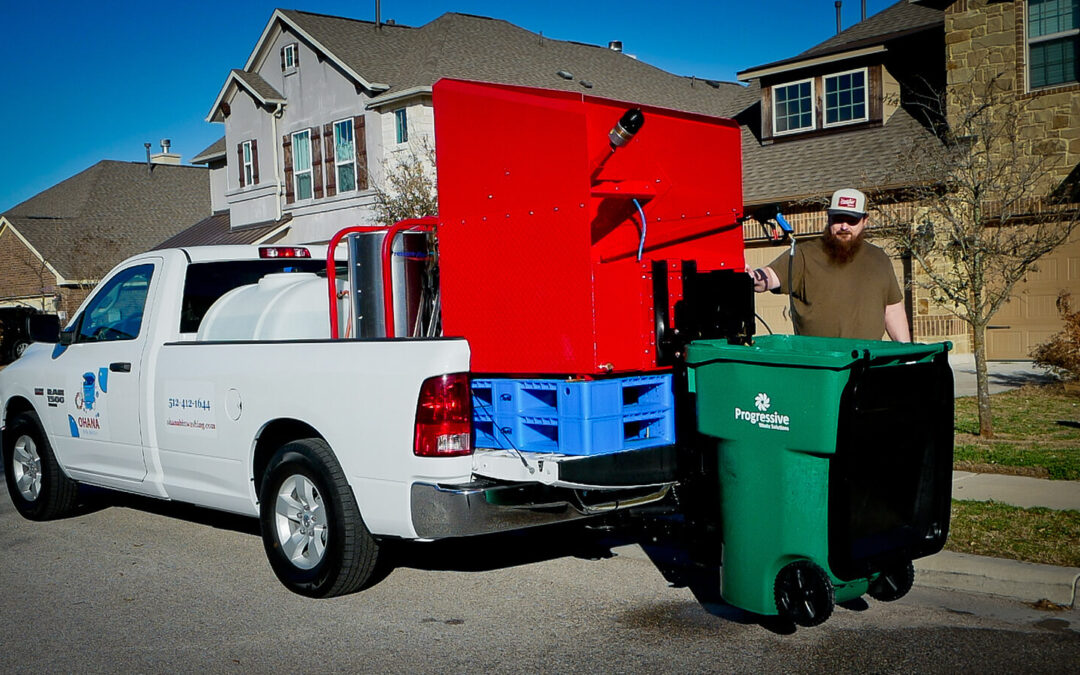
{"x": 841, "y": 251}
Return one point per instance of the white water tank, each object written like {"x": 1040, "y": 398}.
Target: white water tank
{"x": 283, "y": 306}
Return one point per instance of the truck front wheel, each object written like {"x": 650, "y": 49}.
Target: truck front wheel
{"x": 315, "y": 539}
{"x": 39, "y": 489}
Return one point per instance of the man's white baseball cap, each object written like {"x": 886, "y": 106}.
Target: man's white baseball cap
{"x": 848, "y": 201}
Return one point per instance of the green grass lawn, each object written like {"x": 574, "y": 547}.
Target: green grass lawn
{"x": 1001, "y": 531}
{"x": 1036, "y": 433}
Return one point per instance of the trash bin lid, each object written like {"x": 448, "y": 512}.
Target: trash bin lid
{"x": 811, "y": 352}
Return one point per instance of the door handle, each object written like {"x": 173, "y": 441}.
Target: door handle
{"x": 120, "y": 367}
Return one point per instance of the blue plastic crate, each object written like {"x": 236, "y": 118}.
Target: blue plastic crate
{"x": 487, "y": 435}
{"x": 526, "y": 397}
{"x": 585, "y": 417}
{"x": 601, "y": 398}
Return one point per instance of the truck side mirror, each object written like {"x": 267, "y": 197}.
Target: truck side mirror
{"x": 44, "y": 328}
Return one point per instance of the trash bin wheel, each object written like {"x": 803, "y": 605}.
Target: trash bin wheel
{"x": 893, "y": 583}
{"x": 804, "y": 593}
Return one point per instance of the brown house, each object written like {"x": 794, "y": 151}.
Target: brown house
{"x": 56, "y": 245}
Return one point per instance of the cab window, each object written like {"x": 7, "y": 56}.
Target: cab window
{"x": 116, "y": 311}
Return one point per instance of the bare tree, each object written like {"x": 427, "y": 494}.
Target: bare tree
{"x": 409, "y": 188}
{"x": 983, "y": 209}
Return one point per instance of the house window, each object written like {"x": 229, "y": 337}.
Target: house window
{"x": 1053, "y": 32}
{"x": 289, "y": 59}
{"x": 401, "y": 120}
{"x": 845, "y": 98}
{"x": 301, "y": 143}
{"x": 793, "y": 107}
{"x": 345, "y": 155}
{"x": 249, "y": 165}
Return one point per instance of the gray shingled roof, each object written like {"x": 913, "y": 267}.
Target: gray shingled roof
{"x": 215, "y": 229}
{"x": 898, "y": 20}
{"x": 215, "y": 150}
{"x": 817, "y": 165}
{"x": 86, "y": 224}
{"x": 493, "y": 50}
{"x": 258, "y": 85}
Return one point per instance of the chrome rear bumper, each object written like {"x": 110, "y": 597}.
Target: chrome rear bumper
{"x": 486, "y": 506}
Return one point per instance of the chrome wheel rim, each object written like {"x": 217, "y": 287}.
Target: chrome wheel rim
{"x": 26, "y": 468}
{"x": 300, "y": 522}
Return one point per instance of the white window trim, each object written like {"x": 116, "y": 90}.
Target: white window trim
{"x": 866, "y": 99}
{"x": 404, "y": 110}
{"x": 289, "y": 50}
{"x": 337, "y": 164}
{"x": 1028, "y": 40}
{"x": 310, "y": 170}
{"x": 813, "y": 107}
{"x": 249, "y": 166}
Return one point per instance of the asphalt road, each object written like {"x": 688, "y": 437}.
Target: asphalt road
{"x": 136, "y": 585}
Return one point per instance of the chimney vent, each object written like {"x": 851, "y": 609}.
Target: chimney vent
{"x": 165, "y": 156}
{"x": 615, "y": 45}
{"x": 838, "y": 3}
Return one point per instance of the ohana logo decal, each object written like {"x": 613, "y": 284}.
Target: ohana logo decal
{"x": 764, "y": 419}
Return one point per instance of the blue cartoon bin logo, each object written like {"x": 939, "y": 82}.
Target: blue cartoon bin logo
{"x": 88, "y": 391}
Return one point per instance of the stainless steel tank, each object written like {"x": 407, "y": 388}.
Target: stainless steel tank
{"x": 408, "y": 261}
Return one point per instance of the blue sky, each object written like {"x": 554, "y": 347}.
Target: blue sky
{"x": 95, "y": 79}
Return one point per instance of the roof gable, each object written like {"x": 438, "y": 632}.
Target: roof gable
{"x": 898, "y": 20}
{"x": 392, "y": 61}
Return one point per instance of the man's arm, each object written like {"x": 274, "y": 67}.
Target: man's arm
{"x": 765, "y": 279}
{"x": 895, "y": 322}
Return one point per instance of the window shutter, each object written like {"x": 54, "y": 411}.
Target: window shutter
{"x": 360, "y": 139}
{"x": 290, "y": 194}
{"x": 283, "y": 59}
{"x": 240, "y": 162}
{"x": 296, "y": 54}
{"x": 331, "y": 174}
{"x": 316, "y": 163}
{"x": 254, "y": 162}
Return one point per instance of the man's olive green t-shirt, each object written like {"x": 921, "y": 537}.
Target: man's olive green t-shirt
{"x": 838, "y": 300}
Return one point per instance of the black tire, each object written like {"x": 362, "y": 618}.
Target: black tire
{"x": 322, "y": 548}
{"x": 38, "y": 486}
{"x": 804, "y": 593}
{"x": 893, "y": 583}
{"x": 18, "y": 348}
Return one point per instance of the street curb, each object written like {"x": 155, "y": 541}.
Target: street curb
{"x": 1028, "y": 582}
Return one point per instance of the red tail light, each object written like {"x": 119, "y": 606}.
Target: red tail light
{"x": 444, "y": 417}
{"x": 284, "y": 252}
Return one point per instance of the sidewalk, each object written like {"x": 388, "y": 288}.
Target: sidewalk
{"x": 1027, "y": 582}
{"x": 1002, "y": 375}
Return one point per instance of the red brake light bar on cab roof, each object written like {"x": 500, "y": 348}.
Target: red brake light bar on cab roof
{"x": 284, "y": 252}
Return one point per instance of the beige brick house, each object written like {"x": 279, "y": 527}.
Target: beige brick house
{"x": 1030, "y": 48}
{"x": 836, "y": 115}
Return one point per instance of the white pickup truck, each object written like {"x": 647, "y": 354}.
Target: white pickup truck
{"x": 333, "y": 444}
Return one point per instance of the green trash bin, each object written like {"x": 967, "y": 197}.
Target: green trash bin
{"x": 835, "y": 466}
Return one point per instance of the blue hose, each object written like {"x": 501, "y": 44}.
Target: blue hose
{"x": 641, "y": 244}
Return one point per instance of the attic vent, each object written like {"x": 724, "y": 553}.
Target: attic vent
{"x": 565, "y": 74}
{"x": 587, "y": 84}
{"x": 615, "y": 45}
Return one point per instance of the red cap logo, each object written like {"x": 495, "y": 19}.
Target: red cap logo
{"x": 846, "y": 202}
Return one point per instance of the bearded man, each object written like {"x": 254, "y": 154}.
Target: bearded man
{"x": 841, "y": 286}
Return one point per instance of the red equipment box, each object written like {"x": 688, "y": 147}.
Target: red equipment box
{"x": 539, "y": 233}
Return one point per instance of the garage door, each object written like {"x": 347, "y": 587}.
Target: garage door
{"x": 1031, "y": 316}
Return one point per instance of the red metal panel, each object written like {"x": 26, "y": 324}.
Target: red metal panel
{"x": 539, "y": 251}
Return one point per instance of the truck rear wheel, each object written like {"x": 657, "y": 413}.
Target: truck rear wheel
{"x": 315, "y": 539}
{"x": 39, "y": 488}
